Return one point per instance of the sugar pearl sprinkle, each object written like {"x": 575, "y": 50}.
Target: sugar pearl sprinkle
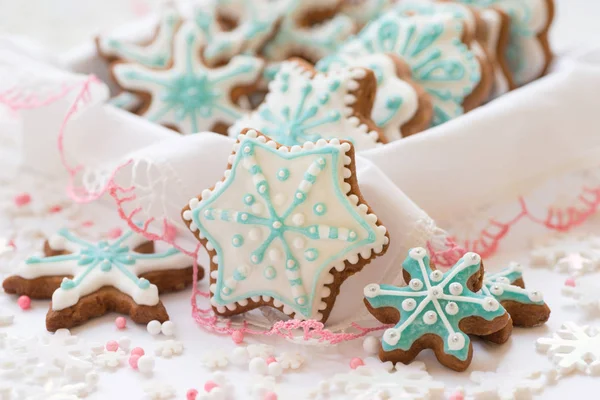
{"x": 154, "y": 327}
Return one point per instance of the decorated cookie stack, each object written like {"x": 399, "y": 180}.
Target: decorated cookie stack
{"x": 423, "y": 63}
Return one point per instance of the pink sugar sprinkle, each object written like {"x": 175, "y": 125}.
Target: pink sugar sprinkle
{"x": 210, "y": 385}
{"x": 458, "y": 395}
{"x": 120, "y": 322}
{"x": 22, "y": 199}
{"x": 24, "y": 302}
{"x": 237, "y": 337}
{"x": 112, "y": 345}
{"x": 133, "y": 361}
{"x": 87, "y": 224}
{"x": 114, "y": 233}
{"x": 271, "y": 360}
{"x": 270, "y": 396}
{"x": 570, "y": 282}
{"x": 138, "y": 351}
{"x": 356, "y": 362}
{"x": 191, "y": 394}
{"x": 12, "y": 244}
{"x": 55, "y": 209}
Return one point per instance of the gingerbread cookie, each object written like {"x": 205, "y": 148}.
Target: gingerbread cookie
{"x": 435, "y": 311}
{"x": 528, "y": 52}
{"x": 363, "y": 11}
{"x": 86, "y": 280}
{"x": 438, "y": 50}
{"x": 303, "y": 105}
{"x": 285, "y": 227}
{"x": 310, "y": 29}
{"x": 526, "y": 307}
{"x": 401, "y": 107}
{"x": 489, "y": 35}
{"x": 189, "y": 96}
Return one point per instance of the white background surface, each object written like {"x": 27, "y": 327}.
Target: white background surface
{"x": 61, "y": 24}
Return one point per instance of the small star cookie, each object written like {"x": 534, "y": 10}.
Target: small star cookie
{"x": 285, "y": 227}
{"x": 304, "y": 106}
{"x": 189, "y": 96}
{"x": 435, "y": 311}
{"x": 87, "y": 280}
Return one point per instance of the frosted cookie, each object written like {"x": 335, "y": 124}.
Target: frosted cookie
{"x": 310, "y": 29}
{"x": 285, "y": 227}
{"x": 234, "y": 27}
{"x": 156, "y": 53}
{"x": 189, "y": 96}
{"x": 489, "y": 36}
{"x": 435, "y": 311}
{"x": 303, "y": 105}
{"x": 438, "y": 51}
{"x": 526, "y": 307}
{"x": 401, "y": 107}
{"x": 86, "y": 280}
{"x": 528, "y": 52}
{"x": 363, "y": 11}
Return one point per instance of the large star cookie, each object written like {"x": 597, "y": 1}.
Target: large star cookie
{"x": 285, "y": 227}
{"x": 188, "y": 95}
{"x": 436, "y": 310}
{"x": 304, "y": 106}
{"x": 86, "y": 280}
{"x": 401, "y": 107}
{"x": 438, "y": 53}
{"x": 526, "y": 307}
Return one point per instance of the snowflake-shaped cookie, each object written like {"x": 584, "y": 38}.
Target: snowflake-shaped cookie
{"x": 110, "y": 359}
{"x": 438, "y": 304}
{"x": 526, "y": 307}
{"x": 304, "y": 106}
{"x": 188, "y": 95}
{"x": 508, "y": 385}
{"x": 572, "y": 348}
{"x": 282, "y": 225}
{"x": 313, "y": 41}
{"x": 586, "y": 292}
{"x": 159, "y": 390}
{"x": 396, "y": 99}
{"x": 290, "y": 360}
{"x": 215, "y": 360}
{"x": 409, "y": 382}
{"x": 156, "y": 54}
{"x": 169, "y": 348}
{"x": 74, "y": 269}
{"x": 574, "y": 254}
{"x": 440, "y": 62}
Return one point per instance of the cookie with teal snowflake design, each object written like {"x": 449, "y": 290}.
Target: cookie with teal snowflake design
{"x": 86, "y": 279}
{"x": 285, "y": 227}
{"x": 303, "y": 105}
{"x": 436, "y": 310}
{"x": 188, "y": 95}
{"x": 526, "y": 307}
{"x": 440, "y": 53}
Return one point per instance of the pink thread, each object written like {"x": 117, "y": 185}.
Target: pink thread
{"x": 191, "y": 394}
{"x": 270, "y": 396}
{"x": 570, "y": 282}
{"x": 356, "y": 362}
{"x": 210, "y": 385}
{"x": 170, "y": 231}
{"x": 114, "y": 233}
{"x": 55, "y": 209}
{"x": 87, "y": 224}
{"x": 237, "y": 337}
{"x": 14, "y": 98}
{"x": 24, "y": 302}
{"x": 112, "y": 345}
{"x": 138, "y": 351}
{"x": 120, "y": 322}
{"x": 22, "y": 199}
{"x": 133, "y": 361}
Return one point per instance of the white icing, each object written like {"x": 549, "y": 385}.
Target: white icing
{"x": 493, "y": 21}
{"x": 314, "y": 274}
{"x": 299, "y": 124}
{"x": 241, "y": 71}
{"x": 363, "y": 11}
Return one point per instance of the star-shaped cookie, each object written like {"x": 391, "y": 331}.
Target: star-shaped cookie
{"x": 285, "y": 227}
{"x": 304, "y": 105}
{"x": 436, "y": 310}
{"x": 189, "y": 96}
{"x": 86, "y": 280}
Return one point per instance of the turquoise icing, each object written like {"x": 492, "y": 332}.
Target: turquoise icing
{"x": 249, "y": 199}
{"x": 283, "y": 174}
{"x": 324, "y": 165}
{"x": 269, "y": 273}
{"x": 104, "y": 255}
{"x": 320, "y": 209}
{"x": 237, "y": 240}
{"x": 446, "y": 69}
{"x": 442, "y": 295}
{"x": 311, "y": 254}
{"x": 500, "y": 285}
